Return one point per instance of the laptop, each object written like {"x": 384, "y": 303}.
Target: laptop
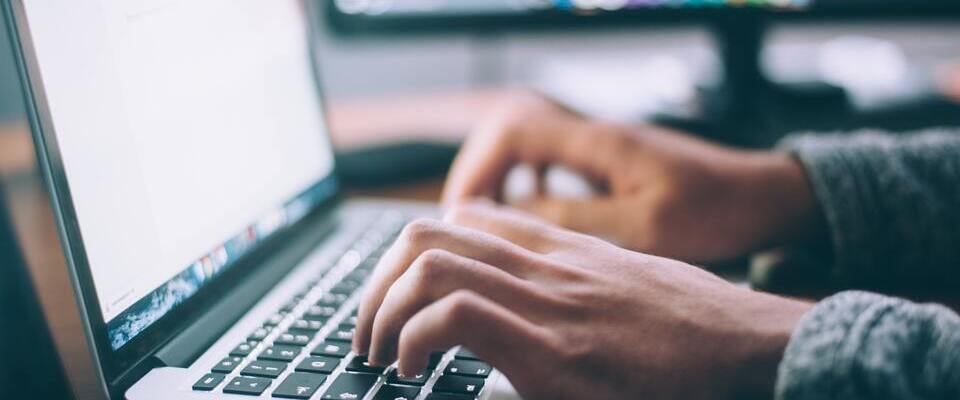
{"x": 194, "y": 185}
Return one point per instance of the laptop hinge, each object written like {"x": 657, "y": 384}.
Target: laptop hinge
{"x": 190, "y": 343}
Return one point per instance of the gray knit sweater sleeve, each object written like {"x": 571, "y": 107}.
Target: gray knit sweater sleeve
{"x": 891, "y": 202}
{"x": 892, "y": 206}
{"x": 858, "y": 345}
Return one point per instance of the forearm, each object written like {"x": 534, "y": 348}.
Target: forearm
{"x": 858, "y": 345}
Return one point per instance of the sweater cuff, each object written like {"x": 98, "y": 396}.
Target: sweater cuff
{"x": 858, "y": 345}
{"x": 840, "y": 178}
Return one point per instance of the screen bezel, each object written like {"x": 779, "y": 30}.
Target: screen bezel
{"x": 552, "y": 20}
{"x": 111, "y": 365}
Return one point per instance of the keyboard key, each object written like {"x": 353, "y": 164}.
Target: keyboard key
{"x": 275, "y": 319}
{"x": 392, "y": 392}
{"x": 260, "y": 334}
{"x": 342, "y": 334}
{"x": 280, "y": 353}
{"x": 227, "y": 365}
{"x": 346, "y": 287}
{"x": 332, "y": 300}
{"x": 359, "y": 364}
{"x": 449, "y": 396}
{"x": 351, "y": 321}
{"x": 331, "y": 349}
{"x": 350, "y": 387}
{"x": 299, "y": 386}
{"x": 293, "y": 303}
{"x": 465, "y": 354}
{"x": 310, "y": 334}
{"x": 477, "y": 369}
{"x": 435, "y": 359}
{"x": 319, "y": 313}
{"x": 293, "y": 339}
{"x": 416, "y": 380}
{"x": 318, "y": 365}
{"x": 357, "y": 276}
{"x": 247, "y": 385}
{"x": 306, "y": 325}
{"x": 208, "y": 382}
{"x": 244, "y": 349}
{"x": 458, "y": 384}
{"x": 265, "y": 369}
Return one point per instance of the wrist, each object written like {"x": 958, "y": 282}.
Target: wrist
{"x": 783, "y": 197}
{"x": 773, "y": 321}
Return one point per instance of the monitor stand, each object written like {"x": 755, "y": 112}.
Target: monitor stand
{"x": 746, "y": 108}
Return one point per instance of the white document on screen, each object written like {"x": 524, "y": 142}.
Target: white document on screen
{"x": 180, "y": 122}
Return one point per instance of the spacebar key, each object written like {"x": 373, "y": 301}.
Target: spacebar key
{"x": 349, "y": 386}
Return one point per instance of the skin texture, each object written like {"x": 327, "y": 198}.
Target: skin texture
{"x": 660, "y": 191}
{"x": 545, "y": 304}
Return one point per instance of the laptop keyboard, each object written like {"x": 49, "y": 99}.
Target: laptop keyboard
{"x": 303, "y": 349}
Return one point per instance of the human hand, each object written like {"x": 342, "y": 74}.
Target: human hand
{"x": 568, "y": 316}
{"x": 662, "y": 192}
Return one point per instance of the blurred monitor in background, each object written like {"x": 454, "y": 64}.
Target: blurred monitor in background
{"x": 459, "y": 8}
{"x": 508, "y": 7}
{"x": 729, "y": 98}
{"x": 743, "y": 106}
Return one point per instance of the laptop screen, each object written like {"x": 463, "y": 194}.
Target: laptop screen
{"x": 189, "y": 131}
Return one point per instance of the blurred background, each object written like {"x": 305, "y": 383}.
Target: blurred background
{"x": 613, "y": 68}
{"x": 405, "y": 80}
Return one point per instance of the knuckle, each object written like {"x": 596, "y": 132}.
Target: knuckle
{"x": 460, "y": 306}
{"x": 500, "y": 140}
{"x": 619, "y": 145}
{"x": 419, "y": 230}
{"x": 503, "y": 127}
{"x": 621, "y": 140}
{"x": 431, "y": 266}
{"x": 570, "y": 352}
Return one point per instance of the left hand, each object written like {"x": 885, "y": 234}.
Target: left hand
{"x": 568, "y": 316}
{"x": 659, "y": 191}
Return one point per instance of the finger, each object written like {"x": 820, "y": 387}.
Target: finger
{"x": 601, "y": 216}
{"x": 515, "y": 226}
{"x": 422, "y": 235}
{"x": 493, "y": 332}
{"x": 487, "y": 156}
{"x": 435, "y": 274}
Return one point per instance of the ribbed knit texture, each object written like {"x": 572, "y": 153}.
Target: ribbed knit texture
{"x": 892, "y": 206}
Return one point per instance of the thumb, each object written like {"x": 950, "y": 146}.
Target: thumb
{"x": 599, "y": 216}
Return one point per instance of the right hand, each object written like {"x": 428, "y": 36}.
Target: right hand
{"x": 663, "y": 192}
{"x": 568, "y": 316}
